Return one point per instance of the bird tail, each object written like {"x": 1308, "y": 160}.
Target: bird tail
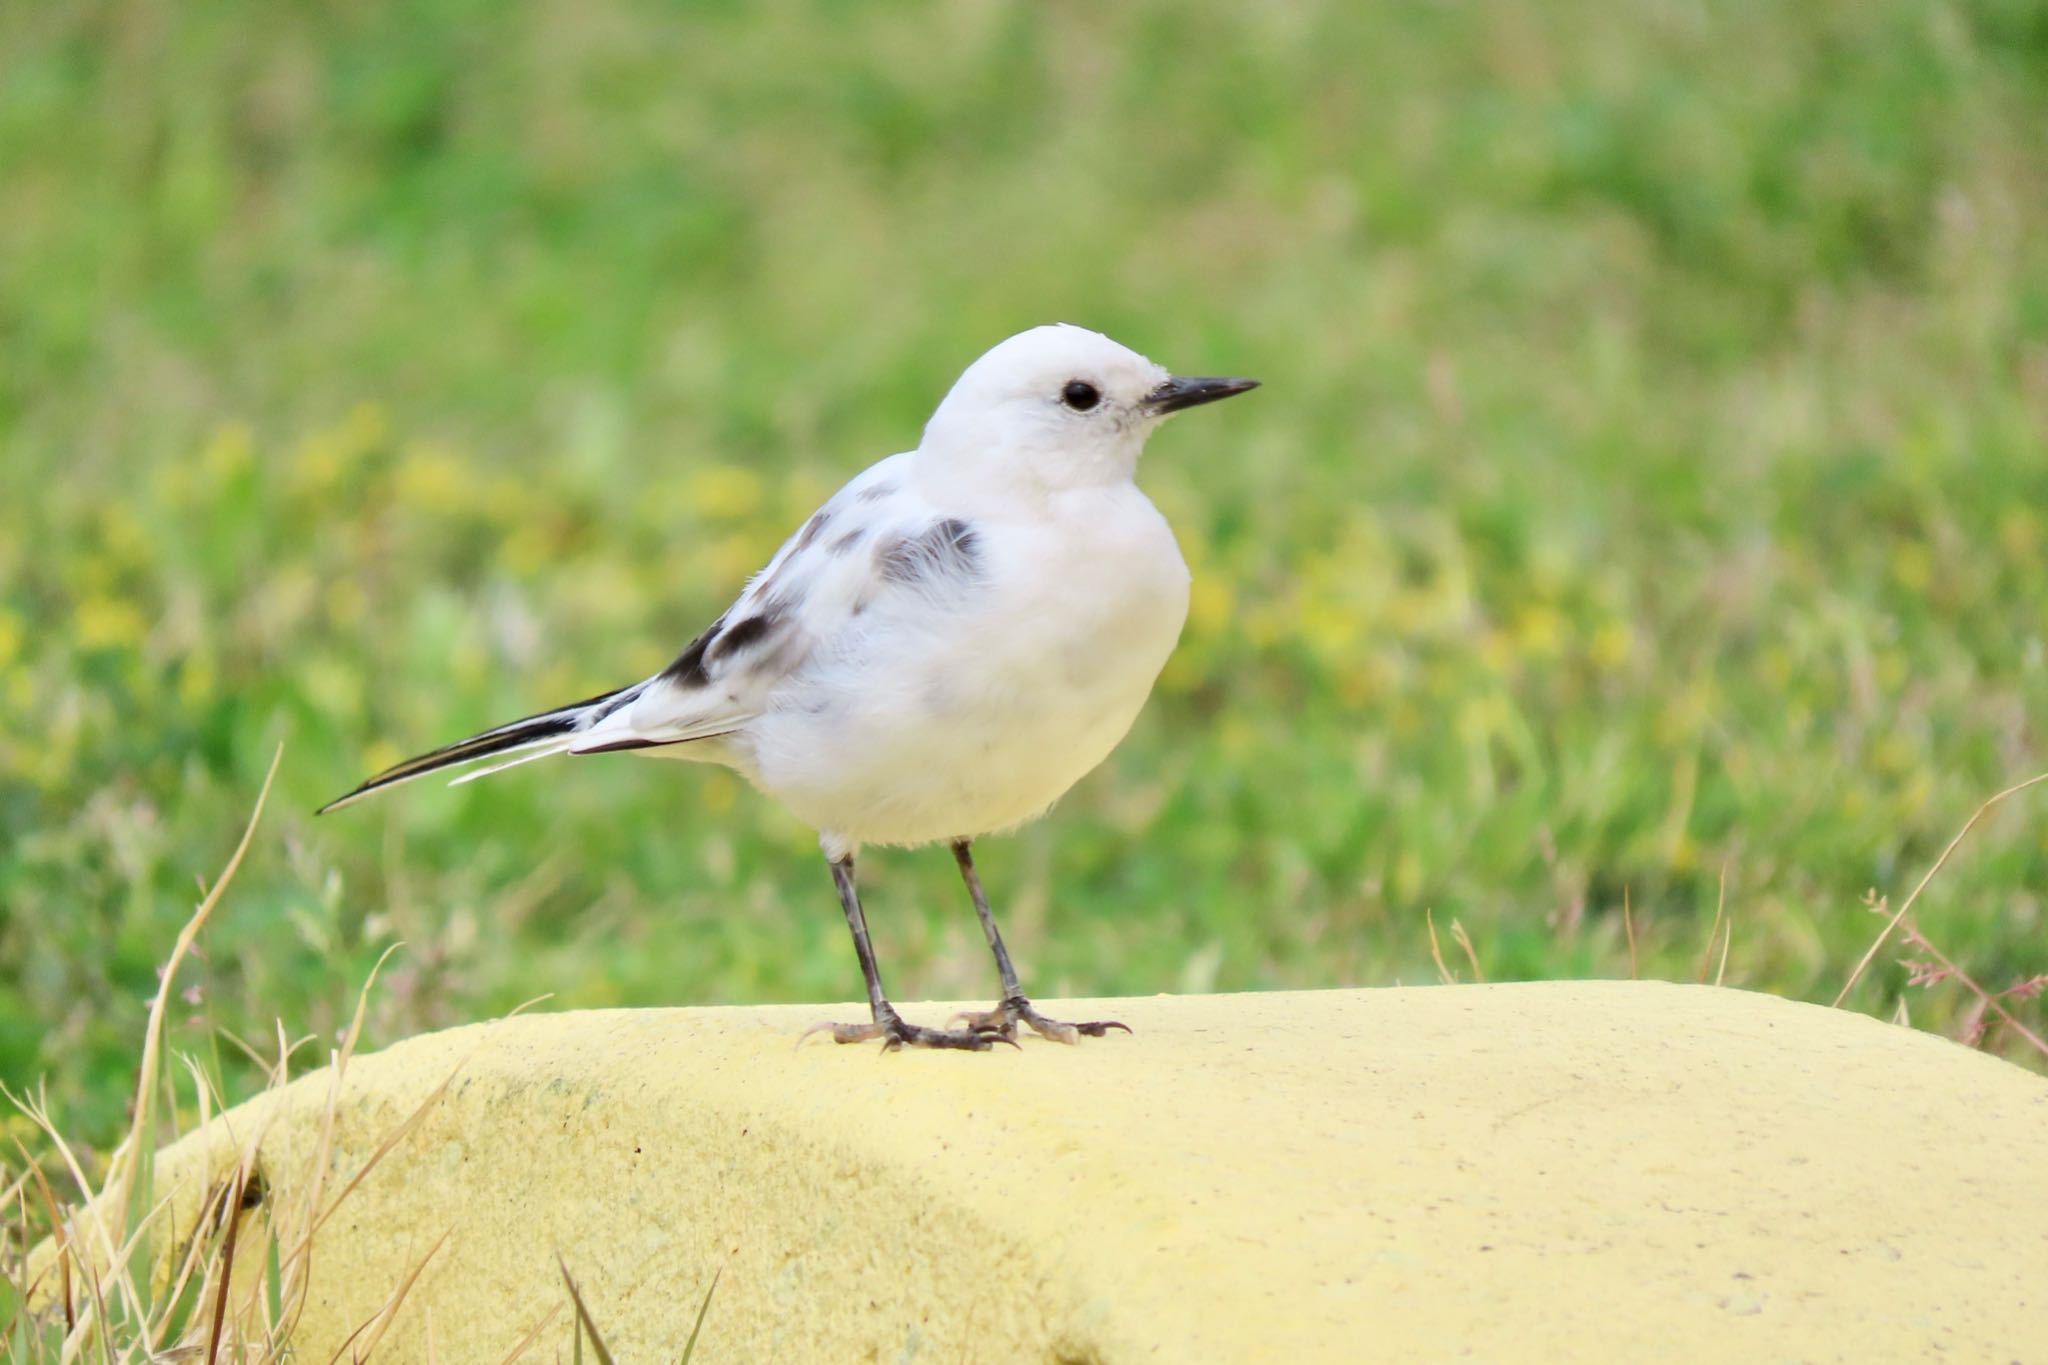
{"x": 550, "y": 732}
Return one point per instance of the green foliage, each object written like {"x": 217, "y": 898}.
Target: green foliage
{"x": 1651, "y": 481}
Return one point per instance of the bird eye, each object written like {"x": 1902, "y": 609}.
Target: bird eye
{"x": 1080, "y": 395}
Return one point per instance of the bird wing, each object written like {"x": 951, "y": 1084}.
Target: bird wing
{"x": 876, "y": 543}
{"x": 824, "y": 575}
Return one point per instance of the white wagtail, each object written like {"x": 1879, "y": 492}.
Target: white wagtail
{"x": 941, "y": 651}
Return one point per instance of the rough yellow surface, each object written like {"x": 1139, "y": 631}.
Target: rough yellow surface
{"x": 1601, "y": 1171}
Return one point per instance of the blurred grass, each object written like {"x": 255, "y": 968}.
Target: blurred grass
{"x": 1652, "y": 481}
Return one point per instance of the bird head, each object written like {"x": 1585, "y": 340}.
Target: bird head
{"x": 1058, "y": 407}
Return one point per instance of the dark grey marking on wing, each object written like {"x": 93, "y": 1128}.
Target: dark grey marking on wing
{"x": 949, "y": 549}
{"x": 875, "y": 492}
{"x": 619, "y": 700}
{"x": 619, "y": 744}
{"x": 770, "y": 632}
{"x": 811, "y": 529}
{"x": 749, "y": 632}
{"x": 848, "y": 541}
{"x": 688, "y": 669}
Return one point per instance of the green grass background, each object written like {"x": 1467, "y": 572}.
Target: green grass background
{"x": 1651, "y": 481}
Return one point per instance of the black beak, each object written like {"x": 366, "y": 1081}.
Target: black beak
{"x": 1181, "y": 392}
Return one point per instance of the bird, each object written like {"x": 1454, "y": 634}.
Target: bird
{"x": 938, "y": 653}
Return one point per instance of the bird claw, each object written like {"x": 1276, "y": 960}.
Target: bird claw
{"x": 983, "y": 1021}
{"x": 895, "y": 1033}
{"x": 1001, "y": 1022}
{"x": 841, "y": 1033}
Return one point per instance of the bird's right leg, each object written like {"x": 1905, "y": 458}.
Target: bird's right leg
{"x": 886, "y": 1024}
{"x": 1001, "y": 1022}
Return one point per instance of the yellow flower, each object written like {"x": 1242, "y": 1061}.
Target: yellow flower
{"x": 725, "y": 491}
{"x": 433, "y": 479}
{"x": 1612, "y": 644}
{"x": 1328, "y": 627}
{"x": 317, "y": 463}
{"x": 105, "y": 622}
{"x": 736, "y": 556}
{"x": 228, "y": 453}
{"x": 196, "y": 680}
{"x": 1496, "y": 651}
{"x": 1913, "y": 566}
{"x": 1482, "y": 717}
{"x": 1210, "y": 603}
{"x": 1539, "y": 630}
{"x": 526, "y": 549}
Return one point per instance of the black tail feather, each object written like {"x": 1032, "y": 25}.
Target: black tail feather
{"x": 518, "y": 734}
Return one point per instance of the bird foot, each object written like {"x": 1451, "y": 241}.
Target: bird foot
{"x": 890, "y": 1026}
{"x": 1001, "y": 1022}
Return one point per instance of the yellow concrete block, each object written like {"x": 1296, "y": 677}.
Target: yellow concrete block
{"x": 1604, "y": 1171}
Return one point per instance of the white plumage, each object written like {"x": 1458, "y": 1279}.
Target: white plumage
{"x": 945, "y": 647}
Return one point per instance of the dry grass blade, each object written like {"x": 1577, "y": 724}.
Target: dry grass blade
{"x": 57, "y": 1236}
{"x": 1727, "y": 934}
{"x": 384, "y": 1319}
{"x": 295, "y": 1261}
{"x": 140, "y": 1145}
{"x": 108, "y": 1254}
{"x": 525, "y": 1343}
{"x": 1714, "y": 931}
{"x": 1628, "y": 925}
{"x": 198, "y": 1259}
{"x": 302, "y": 1250}
{"x": 589, "y": 1327}
{"x": 410, "y": 1122}
{"x": 1436, "y": 952}
{"x": 226, "y": 1269}
{"x": 121, "y": 1301}
{"x": 1891, "y": 924}
{"x": 136, "y": 1154}
{"x": 294, "y": 1266}
{"x": 1464, "y": 941}
{"x": 74, "y": 1339}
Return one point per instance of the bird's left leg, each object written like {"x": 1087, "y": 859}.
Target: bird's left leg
{"x": 1002, "y": 1021}
{"x": 886, "y": 1023}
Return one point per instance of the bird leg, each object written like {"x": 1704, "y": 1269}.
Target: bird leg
{"x": 1013, "y": 1009}
{"x": 886, "y": 1024}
